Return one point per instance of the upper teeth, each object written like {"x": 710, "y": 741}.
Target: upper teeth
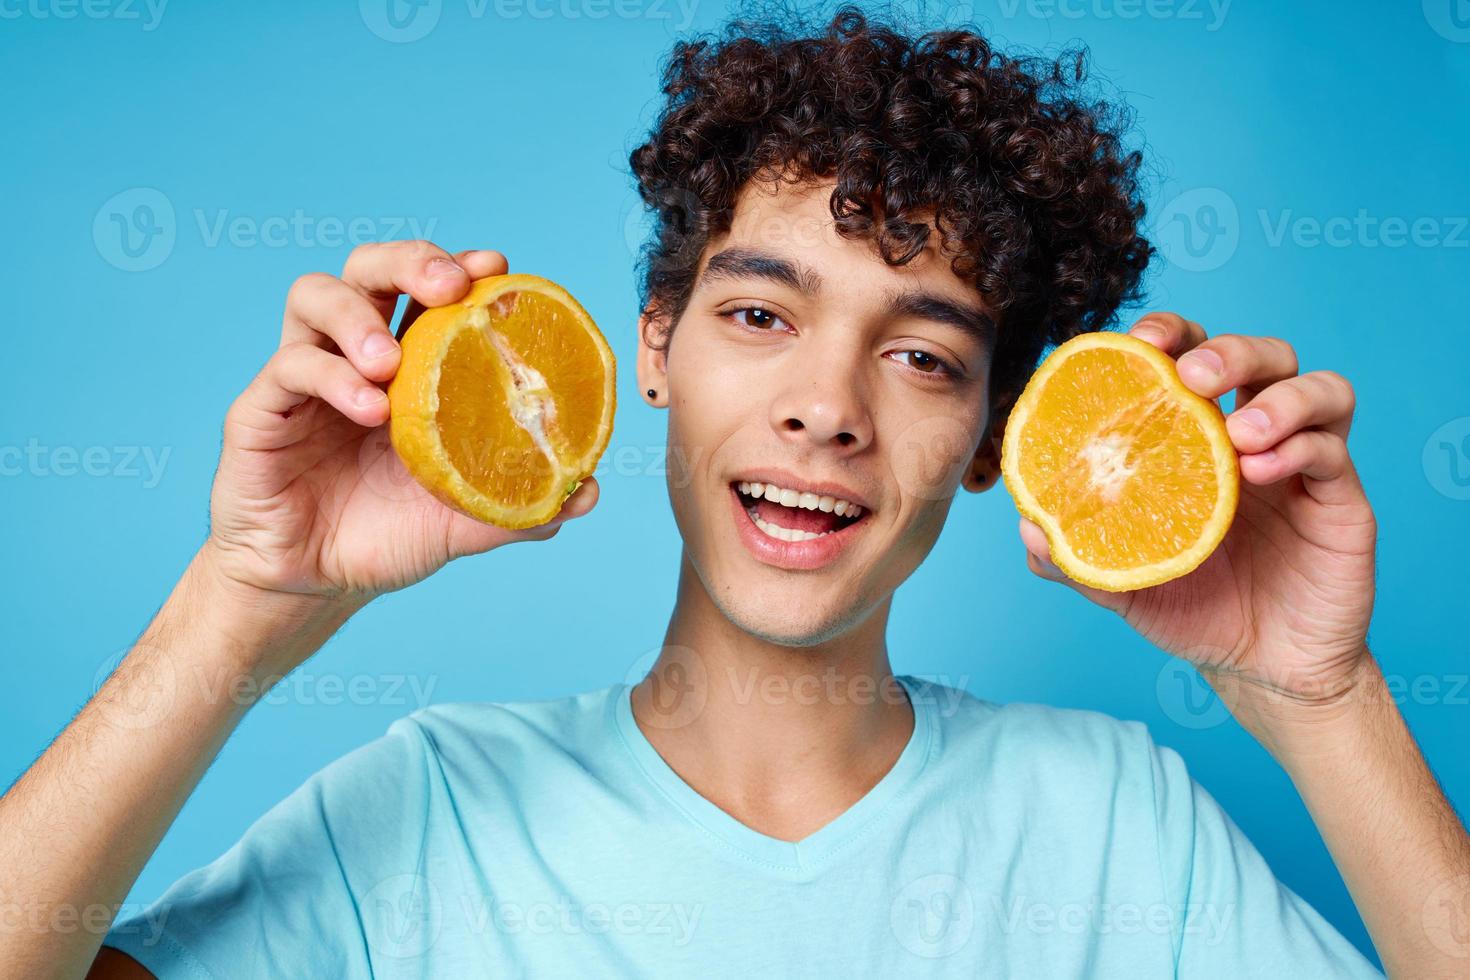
{"x": 798, "y": 498}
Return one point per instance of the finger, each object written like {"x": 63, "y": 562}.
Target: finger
{"x": 482, "y": 262}
{"x": 1169, "y": 332}
{"x": 1038, "y": 559}
{"x": 479, "y": 263}
{"x": 1319, "y": 456}
{"x": 1317, "y": 399}
{"x": 468, "y": 536}
{"x": 323, "y": 310}
{"x": 297, "y": 372}
{"x": 383, "y": 271}
{"x": 1232, "y": 360}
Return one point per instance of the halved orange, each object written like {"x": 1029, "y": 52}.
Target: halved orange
{"x": 503, "y": 401}
{"x": 1132, "y": 475}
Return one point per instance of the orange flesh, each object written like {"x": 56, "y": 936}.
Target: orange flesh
{"x": 1135, "y": 488}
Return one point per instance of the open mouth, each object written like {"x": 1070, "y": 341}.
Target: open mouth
{"x": 790, "y": 515}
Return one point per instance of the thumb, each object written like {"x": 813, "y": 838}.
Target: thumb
{"x": 468, "y": 536}
{"x": 1038, "y": 559}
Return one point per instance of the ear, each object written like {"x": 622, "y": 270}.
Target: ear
{"x": 653, "y": 338}
{"x": 984, "y": 470}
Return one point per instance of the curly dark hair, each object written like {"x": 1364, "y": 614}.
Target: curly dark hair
{"x": 1023, "y": 173}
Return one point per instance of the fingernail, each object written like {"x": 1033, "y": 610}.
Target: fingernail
{"x": 1149, "y": 332}
{"x": 1252, "y": 418}
{"x": 1045, "y": 564}
{"x": 367, "y": 397}
{"x": 1205, "y": 360}
{"x": 443, "y": 269}
{"x": 378, "y": 345}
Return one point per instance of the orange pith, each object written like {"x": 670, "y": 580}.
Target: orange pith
{"x": 1132, "y": 475}
{"x": 503, "y": 401}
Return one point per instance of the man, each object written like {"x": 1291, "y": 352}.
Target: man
{"x": 949, "y": 212}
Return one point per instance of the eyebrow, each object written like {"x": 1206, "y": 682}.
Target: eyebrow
{"x": 749, "y": 263}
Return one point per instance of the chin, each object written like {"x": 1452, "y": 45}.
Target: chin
{"x": 800, "y": 620}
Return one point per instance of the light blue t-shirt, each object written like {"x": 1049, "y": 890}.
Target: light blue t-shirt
{"x": 549, "y": 839}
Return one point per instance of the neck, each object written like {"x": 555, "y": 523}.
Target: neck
{"x": 783, "y": 738}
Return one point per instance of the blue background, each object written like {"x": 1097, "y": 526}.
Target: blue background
{"x": 509, "y": 127}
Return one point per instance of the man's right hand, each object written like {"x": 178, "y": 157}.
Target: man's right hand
{"x": 310, "y": 497}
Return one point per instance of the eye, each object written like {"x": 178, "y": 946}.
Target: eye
{"x": 926, "y": 363}
{"x": 754, "y": 318}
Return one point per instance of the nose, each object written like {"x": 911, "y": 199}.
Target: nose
{"x": 821, "y": 402}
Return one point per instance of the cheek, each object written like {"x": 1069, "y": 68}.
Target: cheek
{"x": 928, "y": 453}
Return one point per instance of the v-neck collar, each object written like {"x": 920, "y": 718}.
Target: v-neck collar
{"x": 796, "y": 859}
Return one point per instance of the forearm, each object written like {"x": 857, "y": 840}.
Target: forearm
{"x": 1401, "y": 849}
{"x": 78, "y": 827}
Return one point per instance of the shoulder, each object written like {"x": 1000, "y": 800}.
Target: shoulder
{"x": 560, "y": 720}
{"x": 1053, "y": 753}
{"x": 445, "y": 744}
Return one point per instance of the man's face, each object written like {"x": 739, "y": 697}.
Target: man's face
{"x": 805, "y": 362}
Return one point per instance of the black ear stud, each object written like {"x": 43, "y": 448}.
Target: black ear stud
{"x": 651, "y": 393}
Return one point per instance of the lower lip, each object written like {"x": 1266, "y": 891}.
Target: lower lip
{"x": 795, "y": 555}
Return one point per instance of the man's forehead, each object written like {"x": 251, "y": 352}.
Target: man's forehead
{"x": 794, "y": 219}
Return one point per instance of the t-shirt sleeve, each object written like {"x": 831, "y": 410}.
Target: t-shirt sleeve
{"x": 1238, "y": 920}
{"x": 285, "y": 900}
